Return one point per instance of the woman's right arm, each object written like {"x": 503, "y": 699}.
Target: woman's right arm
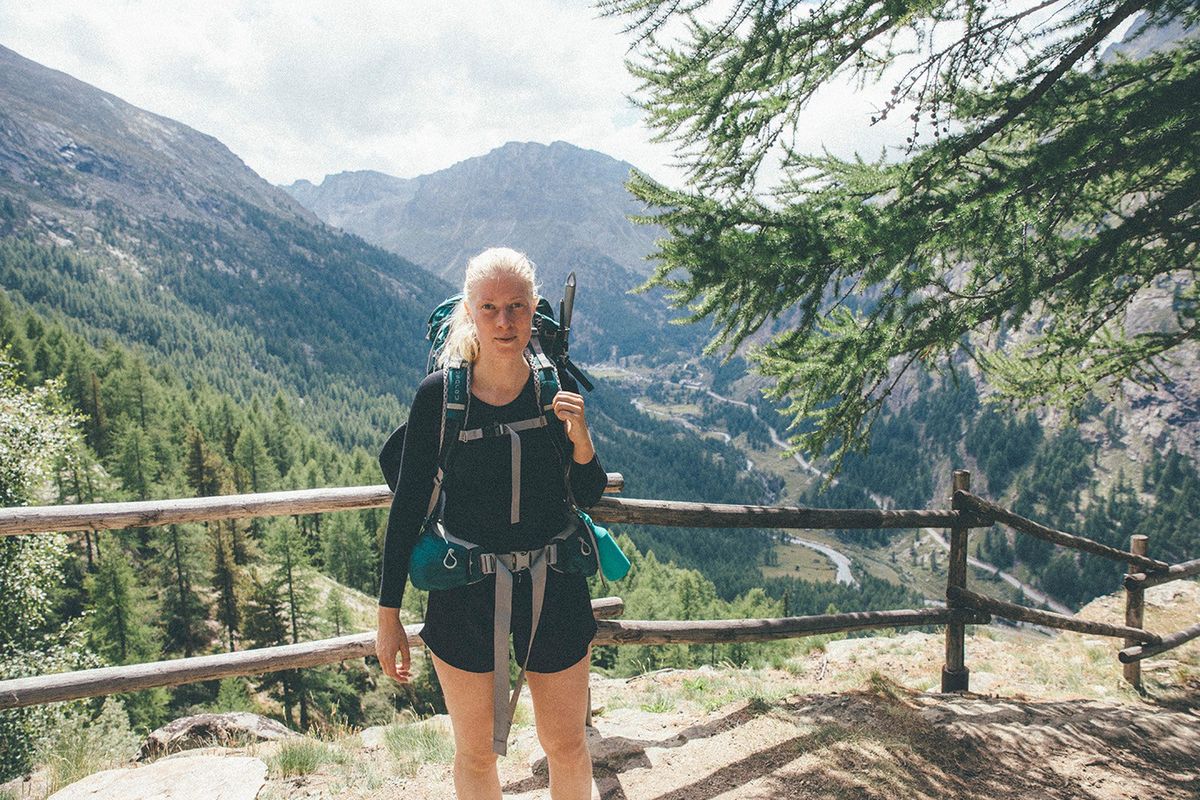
{"x": 418, "y": 463}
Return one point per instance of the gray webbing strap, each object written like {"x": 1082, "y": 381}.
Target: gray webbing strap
{"x": 503, "y": 706}
{"x": 512, "y": 429}
{"x": 500, "y": 726}
{"x": 520, "y": 425}
{"x": 437, "y": 492}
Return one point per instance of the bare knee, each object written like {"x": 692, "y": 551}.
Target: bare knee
{"x": 564, "y": 744}
{"x": 475, "y": 760}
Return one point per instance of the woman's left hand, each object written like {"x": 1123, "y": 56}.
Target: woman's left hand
{"x": 569, "y": 407}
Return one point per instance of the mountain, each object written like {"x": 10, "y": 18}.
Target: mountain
{"x": 137, "y": 227}
{"x": 1144, "y": 38}
{"x": 559, "y": 203}
{"x": 563, "y": 205}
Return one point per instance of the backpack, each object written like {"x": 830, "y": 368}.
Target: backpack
{"x": 547, "y": 350}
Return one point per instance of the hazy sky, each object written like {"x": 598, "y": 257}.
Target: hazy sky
{"x": 300, "y": 89}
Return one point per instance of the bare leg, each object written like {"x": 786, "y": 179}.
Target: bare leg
{"x": 560, "y": 710}
{"x": 469, "y": 701}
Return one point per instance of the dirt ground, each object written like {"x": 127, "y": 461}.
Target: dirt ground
{"x": 1049, "y": 717}
{"x": 863, "y": 718}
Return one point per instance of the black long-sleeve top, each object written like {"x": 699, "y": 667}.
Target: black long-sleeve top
{"x": 479, "y": 483}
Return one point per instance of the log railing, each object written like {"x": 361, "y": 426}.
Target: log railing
{"x": 963, "y": 606}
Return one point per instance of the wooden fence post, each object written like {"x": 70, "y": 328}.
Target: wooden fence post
{"x": 955, "y": 675}
{"x": 1135, "y": 609}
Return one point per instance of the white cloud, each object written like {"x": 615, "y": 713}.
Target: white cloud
{"x": 305, "y": 88}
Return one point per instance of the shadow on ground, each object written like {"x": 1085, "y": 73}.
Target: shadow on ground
{"x": 889, "y": 743}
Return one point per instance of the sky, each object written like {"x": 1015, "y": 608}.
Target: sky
{"x": 302, "y": 89}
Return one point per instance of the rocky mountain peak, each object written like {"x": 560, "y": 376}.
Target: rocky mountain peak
{"x": 562, "y": 204}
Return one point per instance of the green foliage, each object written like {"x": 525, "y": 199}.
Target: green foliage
{"x": 120, "y": 611}
{"x": 234, "y": 695}
{"x": 81, "y": 745}
{"x": 36, "y": 433}
{"x": 660, "y": 461}
{"x": 1002, "y": 444}
{"x": 654, "y": 589}
{"x": 302, "y": 756}
{"x": 803, "y": 598}
{"x": 967, "y": 236}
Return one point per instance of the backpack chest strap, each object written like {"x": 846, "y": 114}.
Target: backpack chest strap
{"x": 512, "y": 429}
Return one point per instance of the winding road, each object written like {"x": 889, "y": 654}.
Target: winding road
{"x": 840, "y": 560}
{"x": 932, "y": 535}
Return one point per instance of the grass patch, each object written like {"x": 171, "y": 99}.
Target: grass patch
{"x": 658, "y": 703}
{"x": 804, "y": 563}
{"x": 417, "y": 743}
{"x": 303, "y": 757}
{"x": 82, "y": 747}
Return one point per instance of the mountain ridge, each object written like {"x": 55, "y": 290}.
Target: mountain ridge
{"x": 547, "y": 200}
{"x": 55, "y": 100}
{"x": 158, "y": 234}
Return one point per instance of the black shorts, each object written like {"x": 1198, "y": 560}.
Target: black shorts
{"x": 458, "y": 623}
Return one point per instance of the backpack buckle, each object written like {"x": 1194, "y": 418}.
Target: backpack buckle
{"x": 521, "y": 560}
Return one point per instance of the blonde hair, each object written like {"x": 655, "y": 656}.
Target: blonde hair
{"x": 462, "y": 340}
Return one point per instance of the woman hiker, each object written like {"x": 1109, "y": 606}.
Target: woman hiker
{"x": 508, "y": 488}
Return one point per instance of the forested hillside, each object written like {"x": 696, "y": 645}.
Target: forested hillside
{"x": 142, "y": 431}
{"x": 1090, "y": 474}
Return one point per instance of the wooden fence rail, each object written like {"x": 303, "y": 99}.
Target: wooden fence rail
{"x": 1028, "y": 526}
{"x": 964, "y": 606}
{"x": 1138, "y": 652}
{"x": 1144, "y": 580}
{"x": 58, "y": 687}
{"x": 151, "y": 513}
{"x": 1050, "y": 619}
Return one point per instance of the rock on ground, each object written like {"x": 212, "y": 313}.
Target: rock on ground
{"x": 203, "y": 730}
{"x": 193, "y": 777}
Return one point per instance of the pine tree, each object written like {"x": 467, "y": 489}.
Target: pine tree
{"x": 336, "y": 612}
{"x": 267, "y": 626}
{"x": 134, "y": 462}
{"x": 184, "y": 613}
{"x": 293, "y": 599}
{"x": 227, "y": 580}
{"x": 929, "y": 256}
{"x": 348, "y": 550}
{"x": 119, "y": 627}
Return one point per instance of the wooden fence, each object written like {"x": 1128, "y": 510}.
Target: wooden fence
{"x": 963, "y": 607}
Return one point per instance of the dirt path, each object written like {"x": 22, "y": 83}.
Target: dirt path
{"x": 885, "y": 743}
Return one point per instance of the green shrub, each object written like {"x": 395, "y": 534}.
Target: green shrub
{"x": 83, "y": 746}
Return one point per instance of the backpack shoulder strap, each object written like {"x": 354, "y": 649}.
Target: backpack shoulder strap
{"x": 545, "y": 387}
{"x": 456, "y": 396}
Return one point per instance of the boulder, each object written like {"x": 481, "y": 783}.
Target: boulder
{"x": 204, "y": 730}
{"x": 192, "y": 778}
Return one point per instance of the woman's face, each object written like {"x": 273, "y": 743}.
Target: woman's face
{"x": 503, "y": 313}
